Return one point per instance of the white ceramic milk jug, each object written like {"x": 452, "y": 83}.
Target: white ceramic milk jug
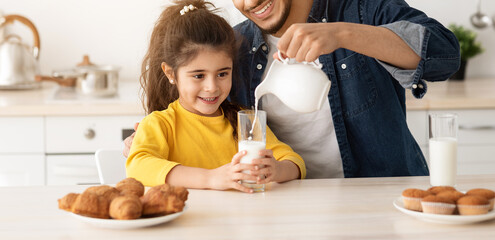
{"x": 302, "y": 87}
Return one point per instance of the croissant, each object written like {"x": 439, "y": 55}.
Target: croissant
{"x": 67, "y": 201}
{"x": 90, "y": 204}
{"x": 126, "y": 207}
{"x": 164, "y": 199}
{"x": 130, "y": 186}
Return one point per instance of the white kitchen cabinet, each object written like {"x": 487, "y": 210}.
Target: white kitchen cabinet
{"x": 22, "y": 169}
{"x": 72, "y": 141}
{"x": 417, "y": 121}
{"x": 86, "y": 134}
{"x": 22, "y": 157}
{"x": 22, "y": 135}
{"x": 71, "y": 169}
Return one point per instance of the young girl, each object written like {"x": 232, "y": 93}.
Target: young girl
{"x": 189, "y": 137}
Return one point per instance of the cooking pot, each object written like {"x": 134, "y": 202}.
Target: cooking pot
{"x": 18, "y": 61}
{"x": 92, "y": 80}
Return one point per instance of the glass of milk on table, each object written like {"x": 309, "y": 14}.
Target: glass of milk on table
{"x": 443, "y": 149}
{"x": 251, "y": 132}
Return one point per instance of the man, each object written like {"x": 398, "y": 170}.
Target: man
{"x": 371, "y": 51}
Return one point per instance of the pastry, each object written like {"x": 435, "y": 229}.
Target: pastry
{"x": 91, "y": 204}
{"x": 164, "y": 199}
{"x": 67, "y": 201}
{"x": 437, "y": 189}
{"x": 486, "y": 193}
{"x": 105, "y": 191}
{"x": 126, "y": 207}
{"x": 130, "y": 186}
{"x": 473, "y": 205}
{"x": 438, "y": 205}
{"x": 452, "y": 195}
{"x": 412, "y": 198}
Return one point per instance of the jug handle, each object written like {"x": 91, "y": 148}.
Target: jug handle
{"x": 10, "y": 19}
{"x": 286, "y": 61}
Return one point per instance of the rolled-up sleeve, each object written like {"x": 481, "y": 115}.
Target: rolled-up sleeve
{"x": 436, "y": 45}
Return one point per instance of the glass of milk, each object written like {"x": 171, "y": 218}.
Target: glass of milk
{"x": 252, "y": 138}
{"x": 443, "y": 149}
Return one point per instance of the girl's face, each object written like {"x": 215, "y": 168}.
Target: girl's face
{"x": 205, "y": 82}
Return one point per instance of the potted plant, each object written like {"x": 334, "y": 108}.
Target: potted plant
{"x": 469, "y": 47}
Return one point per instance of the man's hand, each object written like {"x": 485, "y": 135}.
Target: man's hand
{"x": 128, "y": 141}
{"x": 307, "y": 41}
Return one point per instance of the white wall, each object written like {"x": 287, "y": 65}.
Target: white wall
{"x": 117, "y": 31}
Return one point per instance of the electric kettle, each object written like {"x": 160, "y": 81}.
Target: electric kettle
{"x": 18, "y": 61}
{"x": 303, "y": 87}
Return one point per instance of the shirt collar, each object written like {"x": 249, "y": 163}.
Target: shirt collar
{"x": 318, "y": 11}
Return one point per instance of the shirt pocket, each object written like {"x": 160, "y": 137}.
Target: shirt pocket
{"x": 357, "y": 87}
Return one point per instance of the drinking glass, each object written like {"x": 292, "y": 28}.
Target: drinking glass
{"x": 251, "y": 132}
{"x": 443, "y": 149}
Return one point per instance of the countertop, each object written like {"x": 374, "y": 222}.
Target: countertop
{"x": 359, "y": 208}
{"x": 454, "y": 94}
{"x": 52, "y": 100}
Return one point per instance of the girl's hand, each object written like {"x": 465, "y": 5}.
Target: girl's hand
{"x": 267, "y": 169}
{"x": 229, "y": 175}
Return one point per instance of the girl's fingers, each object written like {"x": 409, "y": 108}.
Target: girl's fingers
{"x": 241, "y": 187}
{"x": 237, "y": 157}
{"x": 244, "y": 167}
{"x": 262, "y": 171}
{"x": 267, "y": 153}
{"x": 243, "y": 176}
{"x": 265, "y": 180}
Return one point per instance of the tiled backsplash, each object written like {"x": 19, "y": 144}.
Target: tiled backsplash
{"x": 117, "y": 31}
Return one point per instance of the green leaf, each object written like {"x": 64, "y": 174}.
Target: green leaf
{"x": 467, "y": 41}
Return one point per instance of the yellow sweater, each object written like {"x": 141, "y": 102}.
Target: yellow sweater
{"x": 176, "y": 136}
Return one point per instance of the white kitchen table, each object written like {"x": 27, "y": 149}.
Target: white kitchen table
{"x": 358, "y": 208}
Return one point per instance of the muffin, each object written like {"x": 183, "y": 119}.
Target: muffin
{"x": 486, "y": 193}
{"x": 453, "y": 195}
{"x": 412, "y": 198}
{"x": 438, "y": 205}
{"x": 437, "y": 189}
{"x": 473, "y": 205}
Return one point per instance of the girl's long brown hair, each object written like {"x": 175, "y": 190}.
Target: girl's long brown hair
{"x": 176, "y": 39}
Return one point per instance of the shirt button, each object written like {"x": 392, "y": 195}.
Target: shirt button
{"x": 264, "y": 47}
{"x": 414, "y": 86}
{"x": 259, "y": 66}
{"x": 254, "y": 49}
{"x": 343, "y": 66}
{"x": 420, "y": 86}
{"x": 324, "y": 20}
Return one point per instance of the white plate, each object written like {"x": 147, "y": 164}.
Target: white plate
{"x": 446, "y": 219}
{"x": 128, "y": 224}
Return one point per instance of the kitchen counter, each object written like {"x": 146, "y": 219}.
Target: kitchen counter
{"x": 52, "y": 100}
{"x": 359, "y": 208}
{"x": 452, "y": 94}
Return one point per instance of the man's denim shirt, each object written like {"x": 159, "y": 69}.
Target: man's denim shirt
{"x": 367, "y": 97}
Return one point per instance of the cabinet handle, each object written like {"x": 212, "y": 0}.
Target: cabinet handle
{"x": 89, "y": 133}
{"x": 476, "y": 127}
